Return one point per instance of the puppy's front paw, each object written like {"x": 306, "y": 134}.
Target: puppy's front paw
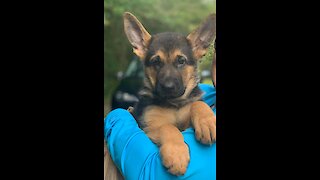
{"x": 205, "y": 128}
{"x": 175, "y": 157}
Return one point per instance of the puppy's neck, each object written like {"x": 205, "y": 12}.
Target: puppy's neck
{"x": 192, "y": 96}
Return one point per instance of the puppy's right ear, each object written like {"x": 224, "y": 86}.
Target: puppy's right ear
{"x": 202, "y": 37}
{"x": 137, "y": 35}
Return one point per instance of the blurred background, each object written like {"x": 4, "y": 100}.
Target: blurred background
{"x": 123, "y": 73}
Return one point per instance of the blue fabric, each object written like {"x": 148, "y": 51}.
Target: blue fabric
{"x": 138, "y": 157}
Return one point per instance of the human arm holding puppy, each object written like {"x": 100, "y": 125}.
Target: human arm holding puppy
{"x": 138, "y": 157}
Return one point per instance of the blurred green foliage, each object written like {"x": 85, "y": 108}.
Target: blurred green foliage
{"x": 205, "y": 63}
{"x": 157, "y": 16}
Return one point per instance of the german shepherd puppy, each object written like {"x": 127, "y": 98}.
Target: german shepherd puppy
{"x": 170, "y": 102}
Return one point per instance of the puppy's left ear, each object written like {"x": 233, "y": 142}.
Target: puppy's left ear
{"x": 202, "y": 37}
{"x": 137, "y": 35}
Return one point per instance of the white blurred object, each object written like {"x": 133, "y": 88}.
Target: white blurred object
{"x": 205, "y": 73}
{"x": 120, "y": 75}
{"x": 123, "y": 96}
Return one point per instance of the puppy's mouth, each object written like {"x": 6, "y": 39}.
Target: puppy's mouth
{"x": 171, "y": 94}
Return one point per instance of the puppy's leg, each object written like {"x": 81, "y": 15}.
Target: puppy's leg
{"x": 161, "y": 130}
{"x": 173, "y": 150}
{"x": 204, "y": 122}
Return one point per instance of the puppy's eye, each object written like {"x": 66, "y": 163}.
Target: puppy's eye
{"x": 155, "y": 60}
{"x": 181, "y": 60}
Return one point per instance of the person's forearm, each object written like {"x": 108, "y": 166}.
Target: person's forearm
{"x": 128, "y": 145}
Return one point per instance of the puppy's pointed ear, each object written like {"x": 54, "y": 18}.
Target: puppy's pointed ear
{"x": 202, "y": 37}
{"x": 137, "y": 35}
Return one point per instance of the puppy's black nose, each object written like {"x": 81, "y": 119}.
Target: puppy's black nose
{"x": 168, "y": 85}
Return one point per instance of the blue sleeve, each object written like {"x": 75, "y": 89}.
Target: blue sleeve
{"x": 129, "y": 147}
{"x": 209, "y": 95}
{"x": 138, "y": 157}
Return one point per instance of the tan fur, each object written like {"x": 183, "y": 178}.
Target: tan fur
{"x": 152, "y": 76}
{"x": 162, "y": 130}
{"x": 172, "y": 55}
{"x": 175, "y": 53}
{"x": 156, "y": 116}
{"x": 163, "y": 56}
{"x": 169, "y": 57}
{"x": 183, "y": 117}
{"x": 204, "y": 122}
{"x": 189, "y": 80}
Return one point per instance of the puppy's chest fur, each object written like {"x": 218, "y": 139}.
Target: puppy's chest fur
{"x": 176, "y": 111}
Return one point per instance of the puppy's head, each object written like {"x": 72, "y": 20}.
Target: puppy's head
{"x": 170, "y": 59}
